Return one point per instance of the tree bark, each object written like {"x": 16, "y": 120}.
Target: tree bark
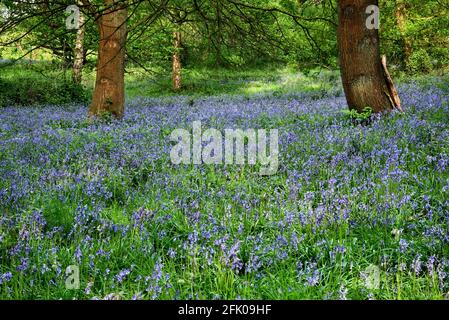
{"x": 78, "y": 52}
{"x": 109, "y": 92}
{"x": 364, "y": 82}
{"x": 177, "y": 65}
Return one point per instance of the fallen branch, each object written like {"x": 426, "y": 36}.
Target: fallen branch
{"x": 392, "y": 92}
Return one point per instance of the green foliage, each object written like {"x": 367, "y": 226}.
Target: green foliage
{"x": 20, "y": 85}
{"x": 425, "y": 30}
{"x": 420, "y": 62}
{"x": 57, "y": 214}
{"x": 362, "y": 117}
{"x": 42, "y": 32}
{"x": 271, "y": 80}
{"x": 249, "y": 38}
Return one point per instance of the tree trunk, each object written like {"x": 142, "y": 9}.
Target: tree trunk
{"x": 109, "y": 92}
{"x": 401, "y": 16}
{"x": 78, "y": 54}
{"x": 176, "y": 76}
{"x": 364, "y": 81}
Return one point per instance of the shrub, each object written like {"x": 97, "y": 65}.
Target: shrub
{"x": 36, "y": 89}
{"x": 420, "y": 62}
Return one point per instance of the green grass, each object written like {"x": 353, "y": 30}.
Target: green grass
{"x": 206, "y": 82}
{"x": 45, "y": 83}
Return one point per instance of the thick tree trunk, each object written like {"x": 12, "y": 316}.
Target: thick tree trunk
{"x": 361, "y": 69}
{"x": 109, "y": 92}
{"x": 177, "y": 66}
{"x": 78, "y": 54}
{"x": 401, "y": 17}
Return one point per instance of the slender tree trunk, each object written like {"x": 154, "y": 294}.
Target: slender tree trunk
{"x": 401, "y": 17}
{"x": 109, "y": 92}
{"x": 219, "y": 60}
{"x": 177, "y": 65}
{"x": 78, "y": 54}
{"x": 363, "y": 76}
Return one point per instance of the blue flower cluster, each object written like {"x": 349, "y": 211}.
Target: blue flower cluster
{"x": 103, "y": 195}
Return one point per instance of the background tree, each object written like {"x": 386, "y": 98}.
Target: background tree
{"x": 79, "y": 53}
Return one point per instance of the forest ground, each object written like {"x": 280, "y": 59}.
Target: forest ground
{"x": 358, "y": 209}
{"x": 44, "y": 83}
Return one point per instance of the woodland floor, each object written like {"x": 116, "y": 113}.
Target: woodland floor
{"x": 350, "y": 202}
